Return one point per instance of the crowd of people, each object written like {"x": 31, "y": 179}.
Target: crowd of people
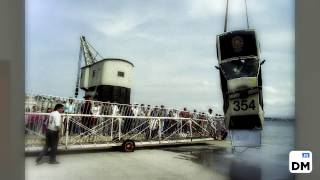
{"x": 202, "y": 122}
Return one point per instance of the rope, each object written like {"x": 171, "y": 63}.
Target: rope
{"x": 245, "y": 1}
{"x": 226, "y": 17}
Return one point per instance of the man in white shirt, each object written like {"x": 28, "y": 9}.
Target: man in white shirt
{"x": 135, "y": 109}
{"x": 211, "y": 122}
{"x": 96, "y": 108}
{"x": 52, "y": 135}
{"x": 70, "y": 107}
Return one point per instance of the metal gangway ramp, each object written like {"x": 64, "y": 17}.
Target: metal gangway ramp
{"x": 97, "y": 125}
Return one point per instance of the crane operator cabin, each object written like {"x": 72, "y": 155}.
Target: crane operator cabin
{"x": 106, "y": 79}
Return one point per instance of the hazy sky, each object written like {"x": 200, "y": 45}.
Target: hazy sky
{"x": 170, "y": 42}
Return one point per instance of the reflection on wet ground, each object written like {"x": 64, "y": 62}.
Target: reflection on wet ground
{"x": 266, "y": 163}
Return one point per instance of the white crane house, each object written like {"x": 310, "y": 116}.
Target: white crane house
{"x": 107, "y": 79}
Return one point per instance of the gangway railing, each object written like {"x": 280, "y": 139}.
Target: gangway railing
{"x": 94, "y": 124}
{"x": 105, "y": 130}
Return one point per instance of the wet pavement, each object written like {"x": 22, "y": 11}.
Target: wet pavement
{"x": 215, "y": 160}
{"x": 146, "y": 164}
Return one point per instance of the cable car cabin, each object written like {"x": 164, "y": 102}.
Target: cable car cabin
{"x": 241, "y": 83}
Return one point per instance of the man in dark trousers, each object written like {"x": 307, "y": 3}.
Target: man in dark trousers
{"x": 52, "y": 135}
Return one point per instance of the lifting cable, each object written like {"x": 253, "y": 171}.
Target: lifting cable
{"x": 245, "y": 1}
{"x": 226, "y": 16}
{"x": 97, "y": 54}
{"x": 78, "y": 73}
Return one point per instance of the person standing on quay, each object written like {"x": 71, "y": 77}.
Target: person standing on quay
{"x": 52, "y": 135}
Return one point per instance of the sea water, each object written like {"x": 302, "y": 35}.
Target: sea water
{"x": 268, "y": 162}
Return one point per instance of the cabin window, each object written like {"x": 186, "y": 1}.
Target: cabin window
{"x": 120, "y": 74}
{"x": 93, "y": 73}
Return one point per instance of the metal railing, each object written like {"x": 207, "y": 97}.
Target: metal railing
{"x": 100, "y": 124}
{"x": 46, "y": 103}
